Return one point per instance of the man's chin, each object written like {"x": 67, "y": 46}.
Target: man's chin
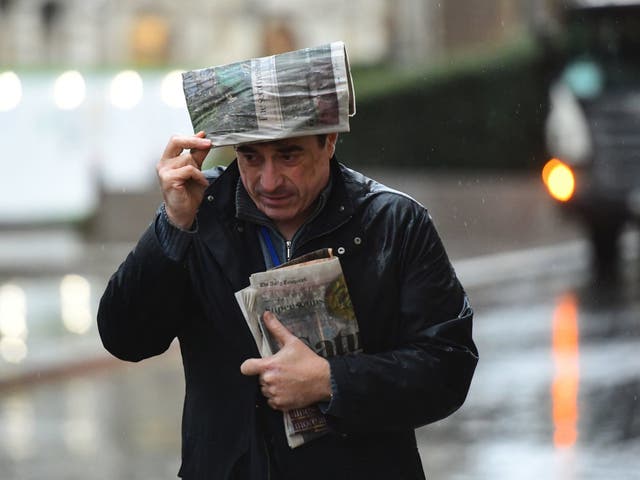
{"x": 277, "y": 215}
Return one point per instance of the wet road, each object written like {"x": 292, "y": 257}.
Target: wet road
{"x": 555, "y": 395}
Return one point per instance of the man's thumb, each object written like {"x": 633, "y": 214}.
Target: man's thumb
{"x": 252, "y": 366}
{"x": 277, "y": 330}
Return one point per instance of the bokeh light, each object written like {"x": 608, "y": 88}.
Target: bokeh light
{"x": 13, "y": 350}
{"x": 566, "y": 356}
{"x": 13, "y": 311}
{"x": 10, "y": 91}
{"x": 171, "y": 90}
{"x": 13, "y": 323}
{"x": 75, "y": 304}
{"x": 17, "y": 426}
{"x": 559, "y": 179}
{"x": 126, "y": 90}
{"x": 69, "y": 90}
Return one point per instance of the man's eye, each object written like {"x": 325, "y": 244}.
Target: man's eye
{"x": 289, "y": 157}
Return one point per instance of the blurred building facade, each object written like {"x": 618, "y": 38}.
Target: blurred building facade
{"x": 70, "y": 70}
{"x": 91, "y": 33}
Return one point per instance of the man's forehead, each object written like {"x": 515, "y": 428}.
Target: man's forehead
{"x": 274, "y": 144}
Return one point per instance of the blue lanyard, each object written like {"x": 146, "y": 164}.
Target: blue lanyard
{"x": 269, "y": 243}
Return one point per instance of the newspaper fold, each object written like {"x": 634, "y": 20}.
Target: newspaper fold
{"x": 304, "y": 92}
{"x": 311, "y": 300}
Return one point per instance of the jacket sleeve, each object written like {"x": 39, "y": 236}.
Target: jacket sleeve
{"x": 140, "y": 311}
{"x": 426, "y": 375}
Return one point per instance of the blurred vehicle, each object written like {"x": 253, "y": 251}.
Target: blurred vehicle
{"x": 593, "y": 126}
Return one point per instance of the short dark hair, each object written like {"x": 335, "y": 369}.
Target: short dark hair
{"x": 322, "y": 139}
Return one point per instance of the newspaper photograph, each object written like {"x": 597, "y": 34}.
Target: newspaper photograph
{"x": 312, "y": 301}
{"x": 304, "y": 92}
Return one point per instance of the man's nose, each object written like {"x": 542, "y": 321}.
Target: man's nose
{"x": 270, "y": 178}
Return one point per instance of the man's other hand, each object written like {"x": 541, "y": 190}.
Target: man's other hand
{"x": 181, "y": 181}
{"x": 295, "y": 377}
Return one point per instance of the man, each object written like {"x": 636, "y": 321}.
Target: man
{"x": 415, "y": 321}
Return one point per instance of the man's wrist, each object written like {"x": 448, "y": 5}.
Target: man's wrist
{"x": 185, "y": 226}
{"x": 331, "y": 405}
{"x": 174, "y": 240}
{"x": 327, "y": 392}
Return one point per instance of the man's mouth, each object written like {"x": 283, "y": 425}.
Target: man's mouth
{"x": 275, "y": 200}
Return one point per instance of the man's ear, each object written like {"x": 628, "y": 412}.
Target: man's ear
{"x": 332, "y": 139}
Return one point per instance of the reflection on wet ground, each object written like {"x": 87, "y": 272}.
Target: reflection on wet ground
{"x": 557, "y": 390}
{"x": 555, "y": 395}
{"x": 45, "y": 319}
{"x": 112, "y": 425}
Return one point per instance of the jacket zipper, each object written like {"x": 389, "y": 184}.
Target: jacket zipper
{"x": 289, "y": 243}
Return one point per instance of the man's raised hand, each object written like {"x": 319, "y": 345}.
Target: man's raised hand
{"x": 295, "y": 376}
{"x": 181, "y": 181}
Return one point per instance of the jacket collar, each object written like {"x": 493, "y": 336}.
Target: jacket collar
{"x": 233, "y": 244}
{"x": 338, "y": 209}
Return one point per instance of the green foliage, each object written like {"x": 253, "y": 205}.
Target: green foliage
{"x": 476, "y": 112}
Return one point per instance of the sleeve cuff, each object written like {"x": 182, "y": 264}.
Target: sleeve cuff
{"x": 330, "y": 407}
{"x": 174, "y": 240}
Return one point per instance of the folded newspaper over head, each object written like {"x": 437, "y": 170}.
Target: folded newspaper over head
{"x": 304, "y": 92}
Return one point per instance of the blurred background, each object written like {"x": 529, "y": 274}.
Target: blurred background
{"x": 461, "y": 104}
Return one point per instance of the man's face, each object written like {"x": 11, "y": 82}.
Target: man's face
{"x": 285, "y": 177}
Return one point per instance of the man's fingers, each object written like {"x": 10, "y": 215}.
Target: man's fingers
{"x": 195, "y": 143}
{"x": 279, "y": 331}
{"x": 180, "y": 176}
{"x": 178, "y": 143}
{"x": 181, "y": 160}
{"x": 198, "y": 156}
{"x": 275, "y": 404}
{"x": 267, "y": 391}
{"x": 253, "y": 366}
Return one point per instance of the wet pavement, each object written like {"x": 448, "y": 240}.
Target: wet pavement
{"x": 555, "y": 395}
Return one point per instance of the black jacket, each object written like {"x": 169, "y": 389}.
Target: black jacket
{"x": 414, "y": 318}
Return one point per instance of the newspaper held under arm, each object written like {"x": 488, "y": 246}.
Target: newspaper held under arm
{"x": 312, "y": 301}
{"x": 304, "y": 92}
